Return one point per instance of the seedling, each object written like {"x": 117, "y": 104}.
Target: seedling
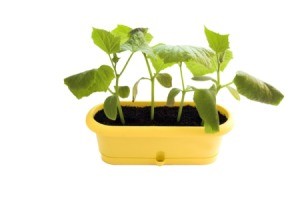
{"x": 113, "y": 43}
{"x": 163, "y": 78}
{"x": 246, "y": 85}
{"x": 180, "y": 54}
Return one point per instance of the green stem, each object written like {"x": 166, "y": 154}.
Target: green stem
{"x": 152, "y": 79}
{"x": 120, "y": 111}
{"x": 152, "y": 99}
{"x": 126, "y": 63}
{"x": 183, "y": 93}
{"x": 218, "y": 74}
{"x": 222, "y": 86}
{"x": 181, "y": 106}
{"x": 110, "y": 91}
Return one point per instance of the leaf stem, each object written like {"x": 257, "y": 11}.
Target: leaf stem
{"x": 110, "y": 91}
{"x": 218, "y": 74}
{"x": 126, "y": 63}
{"x": 118, "y": 100}
{"x": 183, "y": 93}
{"x": 112, "y": 62}
{"x": 152, "y": 79}
{"x": 222, "y": 86}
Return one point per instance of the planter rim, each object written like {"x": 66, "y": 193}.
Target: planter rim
{"x": 164, "y": 131}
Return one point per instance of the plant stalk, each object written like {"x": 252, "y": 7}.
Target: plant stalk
{"x": 183, "y": 93}
{"x": 126, "y": 63}
{"x": 120, "y": 111}
{"x": 218, "y": 74}
{"x": 152, "y": 79}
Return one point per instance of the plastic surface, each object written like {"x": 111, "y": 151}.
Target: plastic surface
{"x": 157, "y": 145}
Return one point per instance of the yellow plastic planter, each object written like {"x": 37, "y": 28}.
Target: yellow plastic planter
{"x": 157, "y": 144}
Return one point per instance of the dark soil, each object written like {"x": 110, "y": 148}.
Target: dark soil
{"x": 164, "y": 116}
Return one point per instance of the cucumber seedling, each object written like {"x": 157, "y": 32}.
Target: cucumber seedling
{"x": 113, "y": 43}
{"x": 246, "y": 85}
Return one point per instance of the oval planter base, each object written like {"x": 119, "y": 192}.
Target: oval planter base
{"x": 157, "y": 145}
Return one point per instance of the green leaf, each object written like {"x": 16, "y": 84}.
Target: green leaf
{"x": 148, "y": 37}
{"x": 183, "y": 53}
{"x": 205, "y": 101}
{"x": 124, "y": 91}
{"x": 110, "y": 107}
{"x": 257, "y": 90}
{"x": 198, "y": 69}
{"x": 164, "y": 79}
{"x": 233, "y": 92}
{"x": 216, "y": 41}
{"x": 106, "y": 41}
{"x": 171, "y": 96}
{"x": 203, "y": 78}
{"x": 135, "y": 88}
{"x": 159, "y": 63}
{"x": 137, "y": 42}
{"x": 225, "y": 59}
{"x": 88, "y": 82}
{"x": 122, "y": 31}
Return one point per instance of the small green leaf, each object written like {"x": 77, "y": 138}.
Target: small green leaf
{"x": 138, "y": 42}
{"x": 164, "y": 79}
{"x": 216, "y": 41}
{"x": 124, "y": 91}
{"x": 226, "y": 58}
{"x": 205, "y": 101}
{"x": 159, "y": 63}
{"x": 88, "y": 82}
{"x": 135, "y": 88}
{"x": 233, "y": 92}
{"x": 183, "y": 53}
{"x": 203, "y": 78}
{"x": 171, "y": 96}
{"x": 110, "y": 107}
{"x": 106, "y": 41}
{"x": 122, "y": 31}
{"x": 257, "y": 90}
{"x": 115, "y": 58}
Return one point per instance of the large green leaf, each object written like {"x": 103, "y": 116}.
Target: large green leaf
{"x": 164, "y": 79}
{"x": 171, "y": 96}
{"x": 106, "y": 41}
{"x": 205, "y": 101}
{"x": 159, "y": 63}
{"x": 257, "y": 90}
{"x": 110, "y": 107}
{"x": 216, "y": 41}
{"x": 198, "y": 69}
{"x": 124, "y": 91}
{"x": 88, "y": 82}
{"x": 183, "y": 53}
{"x": 138, "y": 42}
{"x": 122, "y": 31}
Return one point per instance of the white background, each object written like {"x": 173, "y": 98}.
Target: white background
{"x": 47, "y": 151}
